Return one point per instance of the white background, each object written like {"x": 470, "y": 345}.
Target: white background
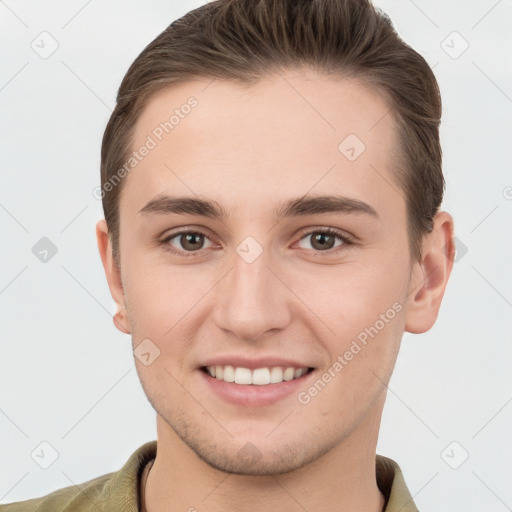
{"x": 67, "y": 376}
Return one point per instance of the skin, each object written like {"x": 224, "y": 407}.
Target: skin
{"x": 250, "y": 148}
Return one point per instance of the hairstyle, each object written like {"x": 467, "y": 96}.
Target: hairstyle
{"x": 247, "y": 40}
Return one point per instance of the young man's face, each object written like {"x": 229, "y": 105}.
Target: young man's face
{"x": 254, "y": 285}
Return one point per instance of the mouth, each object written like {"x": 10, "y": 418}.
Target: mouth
{"x": 255, "y": 377}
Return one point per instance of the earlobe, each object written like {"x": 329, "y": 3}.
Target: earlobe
{"x": 118, "y": 320}
{"x": 113, "y": 275}
{"x": 430, "y": 276}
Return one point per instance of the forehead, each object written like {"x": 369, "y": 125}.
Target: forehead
{"x": 290, "y": 133}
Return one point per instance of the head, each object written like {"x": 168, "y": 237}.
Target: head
{"x": 258, "y": 108}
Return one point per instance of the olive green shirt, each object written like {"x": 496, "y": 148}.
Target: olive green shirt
{"x": 121, "y": 491}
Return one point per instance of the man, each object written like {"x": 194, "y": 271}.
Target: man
{"x": 271, "y": 182}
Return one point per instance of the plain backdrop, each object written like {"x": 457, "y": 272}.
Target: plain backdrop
{"x": 67, "y": 376}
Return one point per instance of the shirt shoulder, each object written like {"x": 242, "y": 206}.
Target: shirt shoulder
{"x": 391, "y": 483}
{"x": 110, "y": 492}
{"x": 81, "y": 497}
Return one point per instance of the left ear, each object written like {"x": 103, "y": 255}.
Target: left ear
{"x": 429, "y": 276}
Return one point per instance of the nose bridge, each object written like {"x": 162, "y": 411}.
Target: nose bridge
{"x": 251, "y": 300}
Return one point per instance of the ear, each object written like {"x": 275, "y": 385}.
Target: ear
{"x": 429, "y": 276}
{"x": 113, "y": 274}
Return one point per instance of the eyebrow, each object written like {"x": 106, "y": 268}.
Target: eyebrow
{"x": 295, "y": 207}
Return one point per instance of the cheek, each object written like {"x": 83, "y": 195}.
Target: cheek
{"x": 363, "y": 306}
{"x": 155, "y": 296}
{"x": 352, "y": 297}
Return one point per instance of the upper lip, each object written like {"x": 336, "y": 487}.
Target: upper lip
{"x": 252, "y": 364}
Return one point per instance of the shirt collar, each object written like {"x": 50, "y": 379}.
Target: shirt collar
{"x": 123, "y": 489}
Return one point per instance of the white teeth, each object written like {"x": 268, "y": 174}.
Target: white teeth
{"x": 229, "y": 374}
{"x": 243, "y": 376}
{"x": 276, "y": 374}
{"x": 259, "y": 376}
{"x": 289, "y": 374}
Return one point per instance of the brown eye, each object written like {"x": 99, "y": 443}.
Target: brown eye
{"x": 324, "y": 240}
{"x": 185, "y": 242}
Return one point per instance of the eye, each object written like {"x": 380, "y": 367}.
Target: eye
{"x": 185, "y": 242}
{"x": 323, "y": 240}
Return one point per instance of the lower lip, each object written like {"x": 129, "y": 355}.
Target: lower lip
{"x": 252, "y": 394}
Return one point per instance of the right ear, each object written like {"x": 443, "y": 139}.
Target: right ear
{"x": 113, "y": 274}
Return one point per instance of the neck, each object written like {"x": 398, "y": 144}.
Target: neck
{"x": 341, "y": 480}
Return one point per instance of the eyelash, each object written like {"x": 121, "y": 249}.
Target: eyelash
{"x": 325, "y": 231}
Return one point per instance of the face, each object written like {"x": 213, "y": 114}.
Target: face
{"x": 260, "y": 272}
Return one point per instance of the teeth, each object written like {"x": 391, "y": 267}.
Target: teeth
{"x": 229, "y": 374}
{"x": 259, "y": 376}
{"x": 243, "y": 376}
{"x": 289, "y": 374}
{"x": 276, "y": 375}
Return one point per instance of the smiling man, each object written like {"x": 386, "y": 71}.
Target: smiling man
{"x": 271, "y": 181}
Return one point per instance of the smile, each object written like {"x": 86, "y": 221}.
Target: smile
{"x": 258, "y": 376}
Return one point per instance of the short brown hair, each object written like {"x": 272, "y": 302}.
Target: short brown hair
{"x": 246, "y": 40}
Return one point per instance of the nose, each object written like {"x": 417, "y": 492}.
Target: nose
{"x": 252, "y": 299}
